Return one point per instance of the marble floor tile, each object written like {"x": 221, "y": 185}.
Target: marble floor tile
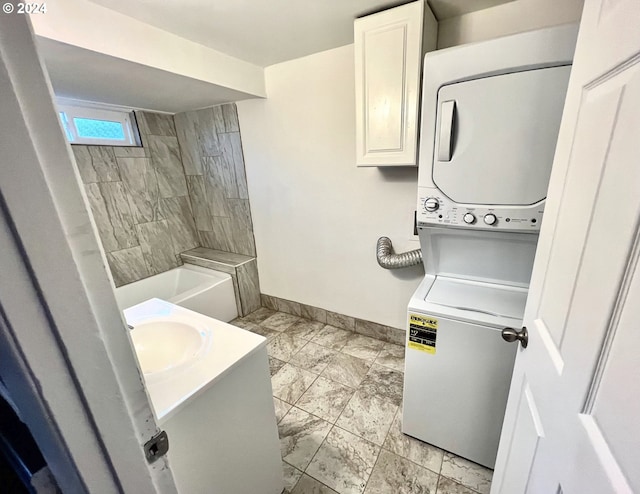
{"x": 448, "y": 486}
{"x": 393, "y": 474}
{"x": 275, "y": 365}
{"x": 269, "y": 334}
{"x": 309, "y": 485}
{"x": 281, "y": 408}
{"x": 291, "y": 477}
{"x": 325, "y": 398}
{"x": 284, "y": 346}
{"x": 241, "y": 323}
{"x": 290, "y": 382}
{"x": 369, "y": 417}
{"x": 423, "y": 454}
{"x": 305, "y": 329}
{"x": 362, "y": 346}
{"x": 301, "y": 434}
{"x": 467, "y": 473}
{"x": 384, "y": 382}
{"x": 312, "y": 357}
{"x": 255, "y": 328}
{"x": 347, "y": 370}
{"x": 332, "y": 337}
{"x": 391, "y": 356}
{"x": 280, "y": 321}
{"x": 257, "y": 316}
{"x": 344, "y": 462}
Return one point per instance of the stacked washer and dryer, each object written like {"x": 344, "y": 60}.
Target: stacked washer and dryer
{"x": 491, "y": 113}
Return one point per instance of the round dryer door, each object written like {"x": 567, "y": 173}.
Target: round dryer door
{"x": 496, "y": 136}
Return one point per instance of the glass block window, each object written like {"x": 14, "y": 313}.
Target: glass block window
{"x": 99, "y": 129}
{"x": 99, "y": 126}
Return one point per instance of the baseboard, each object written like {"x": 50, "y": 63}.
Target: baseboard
{"x": 367, "y": 328}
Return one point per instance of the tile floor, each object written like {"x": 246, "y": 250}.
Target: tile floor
{"x": 338, "y": 402}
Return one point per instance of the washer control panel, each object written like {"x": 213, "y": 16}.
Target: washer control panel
{"x": 435, "y": 209}
{"x": 469, "y": 218}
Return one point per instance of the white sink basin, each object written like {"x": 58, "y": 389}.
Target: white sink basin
{"x": 181, "y": 353}
{"x": 166, "y": 344}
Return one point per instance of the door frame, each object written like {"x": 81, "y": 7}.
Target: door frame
{"x": 66, "y": 358}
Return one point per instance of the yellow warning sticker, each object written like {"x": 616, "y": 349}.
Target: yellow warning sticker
{"x": 424, "y": 321}
{"x": 423, "y": 331}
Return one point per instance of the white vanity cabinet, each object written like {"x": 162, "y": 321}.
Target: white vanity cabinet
{"x": 389, "y": 47}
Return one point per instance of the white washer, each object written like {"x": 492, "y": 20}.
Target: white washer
{"x": 458, "y": 368}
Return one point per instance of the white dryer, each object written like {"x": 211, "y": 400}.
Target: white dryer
{"x": 490, "y": 118}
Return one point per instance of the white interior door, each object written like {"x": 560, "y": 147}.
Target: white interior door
{"x": 66, "y": 359}
{"x": 571, "y": 424}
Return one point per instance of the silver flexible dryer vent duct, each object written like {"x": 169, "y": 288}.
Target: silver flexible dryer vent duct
{"x": 389, "y": 260}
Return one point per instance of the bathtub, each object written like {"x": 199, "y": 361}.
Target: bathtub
{"x": 193, "y": 287}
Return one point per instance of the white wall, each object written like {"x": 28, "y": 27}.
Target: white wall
{"x": 316, "y": 215}
{"x": 508, "y": 18}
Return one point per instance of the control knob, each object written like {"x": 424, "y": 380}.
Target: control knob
{"x": 490, "y": 219}
{"x": 469, "y": 218}
{"x": 431, "y": 204}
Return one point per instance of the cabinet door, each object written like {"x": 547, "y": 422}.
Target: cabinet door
{"x": 388, "y": 56}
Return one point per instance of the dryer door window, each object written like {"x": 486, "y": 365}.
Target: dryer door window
{"x": 496, "y": 136}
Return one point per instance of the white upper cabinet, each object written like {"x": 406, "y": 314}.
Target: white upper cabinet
{"x": 389, "y": 47}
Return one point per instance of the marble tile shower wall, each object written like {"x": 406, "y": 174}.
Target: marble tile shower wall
{"x": 216, "y": 180}
{"x": 140, "y": 200}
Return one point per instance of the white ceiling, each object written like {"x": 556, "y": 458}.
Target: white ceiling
{"x": 265, "y": 32}
{"x": 90, "y": 76}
